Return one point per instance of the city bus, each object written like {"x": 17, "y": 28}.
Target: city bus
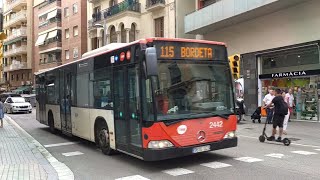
{"x": 153, "y": 99}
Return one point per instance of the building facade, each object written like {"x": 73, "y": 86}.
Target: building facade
{"x": 123, "y": 21}
{"x": 17, "y": 56}
{"x": 60, "y": 31}
{"x": 279, "y": 44}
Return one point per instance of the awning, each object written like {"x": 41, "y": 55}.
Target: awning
{"x": 52, "y": 14}
{"x": 41, "y": 39}
{"x": 52, "y": 34}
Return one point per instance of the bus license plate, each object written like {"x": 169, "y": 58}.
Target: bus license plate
{"x": 201, "y": 149}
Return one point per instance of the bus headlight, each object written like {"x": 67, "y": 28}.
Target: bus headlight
{"x": 159, "y": 144}
{"x": 230, "y": 134}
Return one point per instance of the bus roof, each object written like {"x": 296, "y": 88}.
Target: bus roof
{"x": 115, "y": 46}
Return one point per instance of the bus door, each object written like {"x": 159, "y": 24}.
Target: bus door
{"x": 126, "y": 109}
{"x": 65, "y": 102}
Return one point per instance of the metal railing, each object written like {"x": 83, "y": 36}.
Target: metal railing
{"x": 13, "y": 3}
{"x": 17, "y": 33}
{"x": 127, "y": 5}
{"x": 16, "y": 50}
{"x": 48, "y": 2}
{"x": 48, "y": 22}
{"x": 151, "y": 3}
{"x": 14, "y": 18}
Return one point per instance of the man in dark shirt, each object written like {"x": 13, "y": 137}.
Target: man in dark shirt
{"x": 278, "y": 117}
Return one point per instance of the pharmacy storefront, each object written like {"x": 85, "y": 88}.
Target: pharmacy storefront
{"x": 297, "y": 68}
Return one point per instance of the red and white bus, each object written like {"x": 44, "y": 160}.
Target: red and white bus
{"x": 154, "y": 98}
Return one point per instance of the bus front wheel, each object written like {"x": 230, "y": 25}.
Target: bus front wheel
{"x": 104, "y": 141}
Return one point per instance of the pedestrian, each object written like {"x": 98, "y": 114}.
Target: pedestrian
{"x": 267, "y": 100}
{"x": 280, "y": 110}
{"x": 1, "y": 113}
{"x": 290, "y": 101}
{"x": 286, "y": 117}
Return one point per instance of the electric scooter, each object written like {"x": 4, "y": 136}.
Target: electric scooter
{"x": 264, "y": 136}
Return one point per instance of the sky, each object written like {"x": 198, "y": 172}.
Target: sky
{"x": 1, "y": 3}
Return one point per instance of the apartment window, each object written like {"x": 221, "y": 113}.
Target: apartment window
{"x": 66, "y": 12}
{"x": 29, "y": 76}
{"x": 12, "y": 77}
{"x": 22, "y": 76}
{"x": 75, "y": 8}
{"x": 17, "y": 77}
{"x": 75, "y": 53}
{"x": 67, "y": 33}
{"x": 67, "y": 54}
{"x": 75, "y": 31}
{"x": 159, "y": 27}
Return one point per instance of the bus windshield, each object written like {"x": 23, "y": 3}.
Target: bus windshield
{"x": 189, "y": 89}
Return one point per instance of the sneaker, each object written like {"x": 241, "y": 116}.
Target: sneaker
{"x": 271, "y": 138}
{"x": 279, "y": 139}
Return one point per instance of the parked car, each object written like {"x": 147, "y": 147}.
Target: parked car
{"x": 17, "y": 104}
{"x": 4, "y": 96}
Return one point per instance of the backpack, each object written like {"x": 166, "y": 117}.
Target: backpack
{"x": 283, "y": 109}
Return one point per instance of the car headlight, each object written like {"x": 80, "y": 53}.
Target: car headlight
{"x": 230, "y": 134}
{"x": 159, "y": 144}
{"x": 13, "y": 106}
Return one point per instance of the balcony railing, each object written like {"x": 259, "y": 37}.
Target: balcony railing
{"x": 22, "y": 15}
{"x": 155, "y": 4}
{"x": 17, "y": 65}
{"x": 50, "y": 60}
{"x": 48, "y": 2}
{"x": 127, "y": 5}
{"x": 17, "y": 33}
{"x": 47, "y": 23}
{"x": 13, "y": 4}
{"x": 16, "y": 50}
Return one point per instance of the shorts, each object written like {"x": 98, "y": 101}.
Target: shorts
{"x": 278, "y": 120}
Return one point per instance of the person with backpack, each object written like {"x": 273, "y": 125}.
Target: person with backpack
{"x": 280, "y": 111}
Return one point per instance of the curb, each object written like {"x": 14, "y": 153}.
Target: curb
{"x": 64, "y": 172}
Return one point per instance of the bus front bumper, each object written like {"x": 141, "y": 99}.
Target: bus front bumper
{"x": 162, "y": 154}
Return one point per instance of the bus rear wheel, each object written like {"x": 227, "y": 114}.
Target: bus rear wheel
{"x": 104, "y": 141}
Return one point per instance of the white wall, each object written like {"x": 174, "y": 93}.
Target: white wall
{"x": 290, "y": 26}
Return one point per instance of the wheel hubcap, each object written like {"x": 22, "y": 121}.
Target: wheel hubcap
{"x": 104, "y": 138}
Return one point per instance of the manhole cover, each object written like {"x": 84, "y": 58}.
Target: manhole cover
{"x": 294, "y": 139}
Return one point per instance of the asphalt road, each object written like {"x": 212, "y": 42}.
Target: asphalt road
{"x": 299, "y": 161}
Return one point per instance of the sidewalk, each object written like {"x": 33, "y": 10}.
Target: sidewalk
{"x": 22, "y": 157}
{"x": 300, "y": 132}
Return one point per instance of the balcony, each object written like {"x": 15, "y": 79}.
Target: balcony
{"x": 15, "y": 5}
{"x": 54, "y": 61}
{"x": 154, "y": 5}
{"x": 15, "y": 51}
{"x": 16, "y": 36}
{"x": 51, "y": 3}
{"x": 228, "y": 12}
{"x": 49, "y": 24}
{"x": 125, "y": 8}
{"x": 15, "y": 19}
{"x": 16, "y": 65}
{"x": 51, "y": 46}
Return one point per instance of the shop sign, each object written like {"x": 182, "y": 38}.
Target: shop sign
{"x": 290, "y": 74}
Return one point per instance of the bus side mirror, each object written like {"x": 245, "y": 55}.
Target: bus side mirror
{"x": 151, "y": 62}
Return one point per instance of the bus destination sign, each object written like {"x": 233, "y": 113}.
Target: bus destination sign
{"x": 196, "y": 51}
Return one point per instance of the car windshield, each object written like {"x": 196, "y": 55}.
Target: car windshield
{"x": 18, "y": 100}
{"x": 192, "y": 90}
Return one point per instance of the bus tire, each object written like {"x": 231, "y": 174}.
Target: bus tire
{"x": 51, "y": 123}
{"x": 104, "y": 141}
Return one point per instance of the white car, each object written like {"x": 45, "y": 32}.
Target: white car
{"x": 17, "y": 104}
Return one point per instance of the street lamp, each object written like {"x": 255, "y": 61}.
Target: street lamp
{"x": 104, "y": 26}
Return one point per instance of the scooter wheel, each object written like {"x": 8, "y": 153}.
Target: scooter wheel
{"x": 286, "y": 141}
{"x": 262, "y": 138}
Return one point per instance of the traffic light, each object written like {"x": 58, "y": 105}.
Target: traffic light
{"x": 234, "y": 62}
{"x": 3, "y": 36}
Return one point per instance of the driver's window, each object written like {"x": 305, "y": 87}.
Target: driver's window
{"x": 9, "y": 100}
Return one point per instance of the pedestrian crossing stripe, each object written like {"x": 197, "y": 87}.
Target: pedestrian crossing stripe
{"x": 75, "y": 153}
{"x": 275, "y": 155}
{"x": 215, "y": 165}
{"x": 178, "y": 171}
{"x": 248, "y": 159}
{"x": 304, "y": 152}
{"x": 135, "y": 177}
